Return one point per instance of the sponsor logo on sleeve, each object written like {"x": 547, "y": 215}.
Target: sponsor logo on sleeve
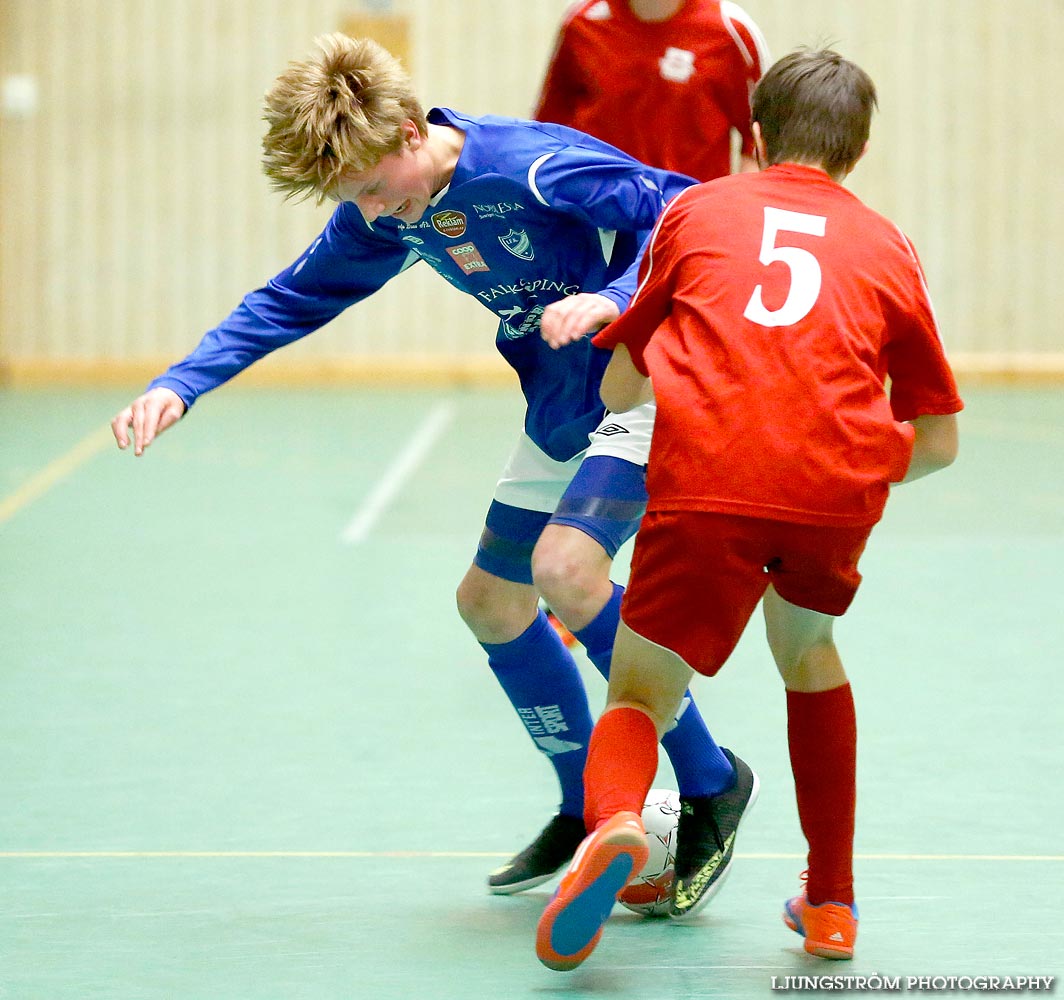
{"x": 452, "y": 224}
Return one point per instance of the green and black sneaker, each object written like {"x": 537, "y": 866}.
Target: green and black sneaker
{"x": 705, "y": 840}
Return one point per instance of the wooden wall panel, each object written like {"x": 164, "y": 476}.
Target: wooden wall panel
{"x": 134, "y": 214}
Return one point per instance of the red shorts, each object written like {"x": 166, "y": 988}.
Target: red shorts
{"x": 697, "y": 577}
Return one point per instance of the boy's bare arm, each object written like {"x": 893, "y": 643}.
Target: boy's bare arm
{"x": 623, "y": 385}
{"x": 935, "y": 446}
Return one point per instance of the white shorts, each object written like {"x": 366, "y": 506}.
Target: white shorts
{"x": 533, "y": 481}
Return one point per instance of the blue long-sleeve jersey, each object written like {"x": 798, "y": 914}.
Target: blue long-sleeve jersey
{"x": 533, "y": 212}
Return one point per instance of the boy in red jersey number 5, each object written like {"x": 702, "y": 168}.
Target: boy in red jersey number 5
{"x": 772, "y": 310}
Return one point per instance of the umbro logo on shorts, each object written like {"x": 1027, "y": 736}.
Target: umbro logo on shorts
{"x": 610, "y": 429}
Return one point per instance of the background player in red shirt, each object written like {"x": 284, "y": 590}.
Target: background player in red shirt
{"x": 772, "y": 310}
{"x": 667, "y": 81}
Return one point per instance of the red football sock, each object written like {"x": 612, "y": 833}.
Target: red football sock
{"x": 822, "y": 735}
{"x": 622, "y": 760}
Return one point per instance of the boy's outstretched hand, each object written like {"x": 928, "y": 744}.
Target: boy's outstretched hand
{"x": 148, "y": 415}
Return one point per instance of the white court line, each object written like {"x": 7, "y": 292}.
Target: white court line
{"x": 697, "y": 968}
{"x": 486, "y": 854}
{"x": 248, "y": 854}
{"x": 405, "y": 464}
{"x": 916, "y": 857}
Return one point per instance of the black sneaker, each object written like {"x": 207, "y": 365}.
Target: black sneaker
{"x": 542, "y": 859}
{"x": 705, "y": 840}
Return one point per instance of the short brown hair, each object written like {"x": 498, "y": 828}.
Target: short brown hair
{"x": 813, "y": 106}
{"x": 337, "y": 112}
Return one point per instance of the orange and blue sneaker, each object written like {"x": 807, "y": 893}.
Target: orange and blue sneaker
{"x": 603, "y": 865}
{"x": 829, "y": 929}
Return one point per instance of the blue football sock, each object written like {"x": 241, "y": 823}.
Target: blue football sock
{"x": 697, "y": 761}
{"x": 543, "y": 683}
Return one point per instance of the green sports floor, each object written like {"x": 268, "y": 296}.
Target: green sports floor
{"x": 249, "y": 751}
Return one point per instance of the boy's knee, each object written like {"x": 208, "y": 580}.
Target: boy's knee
{"x": 569, "y": 566}
{"x": 469, "y": 602}
{"x": 815, "y": 667}
{"x": 555, "y": 571}
{"x": 493, "y": 614}
{"x": 476, "y": 607}
{"x": 566, "y": 582}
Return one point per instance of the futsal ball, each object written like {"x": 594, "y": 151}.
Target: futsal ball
{"x": 648, "y": 893}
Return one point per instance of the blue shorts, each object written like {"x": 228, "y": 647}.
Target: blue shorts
{"x": 605, "y": 499}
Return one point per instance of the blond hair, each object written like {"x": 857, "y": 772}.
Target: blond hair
{"x": 337, "y": 112}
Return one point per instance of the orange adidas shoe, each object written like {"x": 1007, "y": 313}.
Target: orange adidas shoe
{"x": 604, "y": 863}
{"x": 829, "y": 929}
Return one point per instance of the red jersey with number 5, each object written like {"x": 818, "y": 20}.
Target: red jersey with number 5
{"x": 773, "y": 310}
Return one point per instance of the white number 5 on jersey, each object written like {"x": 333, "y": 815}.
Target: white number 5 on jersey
{"x": 805, "y": 268}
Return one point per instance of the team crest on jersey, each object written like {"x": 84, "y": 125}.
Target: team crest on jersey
{"x": 677, "y": 65}
{"x": 468, "y": 258}
{"x": 449, "y": 223}
{"x": 518, "y": 243}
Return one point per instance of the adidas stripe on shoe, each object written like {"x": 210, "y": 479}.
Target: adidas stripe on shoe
{"x": 829, "y": 929}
